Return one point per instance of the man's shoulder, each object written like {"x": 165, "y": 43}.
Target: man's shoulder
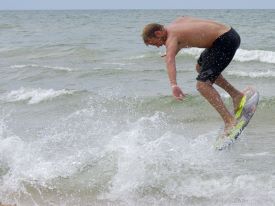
{"x": 172, "y": 45}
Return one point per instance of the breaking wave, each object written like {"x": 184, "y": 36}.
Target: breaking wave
{"x": 33, "y": 96}
{"x": 241, "y": 55}
{"x": 257, "y": 74}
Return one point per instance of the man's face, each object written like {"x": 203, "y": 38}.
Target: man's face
{"x": 156, "y": 41}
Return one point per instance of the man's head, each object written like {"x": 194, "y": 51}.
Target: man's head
{"x": 154, "y": 34}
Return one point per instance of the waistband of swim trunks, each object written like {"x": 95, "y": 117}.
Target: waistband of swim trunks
{"x": 229, "y": 34}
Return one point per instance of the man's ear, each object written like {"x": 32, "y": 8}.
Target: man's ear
{"x": 159, "y": 33}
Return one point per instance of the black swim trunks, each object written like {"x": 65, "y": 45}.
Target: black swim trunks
{"x": 215, "y": 59}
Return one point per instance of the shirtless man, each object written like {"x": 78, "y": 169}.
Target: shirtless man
{"x": 221, "y": 43}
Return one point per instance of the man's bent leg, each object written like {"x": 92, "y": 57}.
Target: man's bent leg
{"x": 235, "y": 94}
{"x": 213, "y": 97}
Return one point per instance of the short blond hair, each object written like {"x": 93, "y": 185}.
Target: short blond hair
{"x": 149, "y": 31}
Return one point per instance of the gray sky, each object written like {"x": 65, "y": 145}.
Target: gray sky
{"x": 135, "y": 4}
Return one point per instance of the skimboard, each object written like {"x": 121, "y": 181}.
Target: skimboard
{"x": 249, "y": 106}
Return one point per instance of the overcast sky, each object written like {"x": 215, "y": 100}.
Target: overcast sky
{"x": 135, "y": 4}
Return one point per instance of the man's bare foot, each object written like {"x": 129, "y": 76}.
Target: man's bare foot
{"x": 229, "y": 126}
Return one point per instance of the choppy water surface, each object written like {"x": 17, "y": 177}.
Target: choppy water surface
{"x": 87, "y": 116}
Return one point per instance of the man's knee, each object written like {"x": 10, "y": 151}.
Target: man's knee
{"x": 201, "y": 86}
{"x": 198, "y": 68}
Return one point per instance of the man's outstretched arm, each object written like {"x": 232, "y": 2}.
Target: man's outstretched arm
{"x": 171, "y": 53}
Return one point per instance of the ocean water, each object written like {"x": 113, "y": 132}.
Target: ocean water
{"x": 87, "y": 116}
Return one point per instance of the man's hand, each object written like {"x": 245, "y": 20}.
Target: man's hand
{"x": 177, "y": 93}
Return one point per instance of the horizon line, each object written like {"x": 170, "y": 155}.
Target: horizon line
{"x": 78, "y": 9}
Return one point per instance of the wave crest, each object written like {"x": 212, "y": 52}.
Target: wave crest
{"x": 21, "y": 66}
{"x": 255, "y": 55}
{"x": 34, "y": 96}
{"x": 259, "y": 74}
{"x": 241, "y": 55}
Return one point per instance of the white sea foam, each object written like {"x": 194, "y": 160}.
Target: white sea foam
{"x": 33, "y": 96}
{"x": 257, "y": 154}
{"x": 147, "y": 55}
{"x": 257, "y": 74}
{"x": 241, "y": 55}
{"x": 255, "y": 55}
{"x": 192, "y": 52}
{"x": 143, "y": 164}
{"x": 41, "y": 66}
{"x": 154, "y": 160}
{"x": 34, "y": 161}
{"x": 177, "y": 166}
{"x": 137, "y": 57}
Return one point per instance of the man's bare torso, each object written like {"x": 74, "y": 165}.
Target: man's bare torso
{"x": 193, "y": 32}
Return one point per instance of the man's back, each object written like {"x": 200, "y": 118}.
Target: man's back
{"x": 194, "y": 32}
